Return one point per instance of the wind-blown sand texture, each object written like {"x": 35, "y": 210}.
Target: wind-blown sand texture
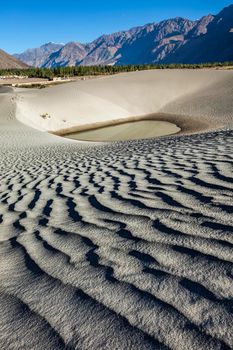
{"x": 124, "y": 245}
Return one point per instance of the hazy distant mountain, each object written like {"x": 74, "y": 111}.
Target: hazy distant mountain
{"x": 37, "y": 57}
{"x": 7, "y": 61}
{"x": 175, "y": 40}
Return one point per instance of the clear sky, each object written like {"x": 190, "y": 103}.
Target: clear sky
{"x": 31, "y": 23}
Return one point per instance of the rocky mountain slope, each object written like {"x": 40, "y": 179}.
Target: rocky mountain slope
{"x": 216, "y": 45}
{"x": 175, "y": 40}
{"x": 7, "y": 61}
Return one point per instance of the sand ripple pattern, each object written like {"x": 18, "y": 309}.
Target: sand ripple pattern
{"x": 122, "y": 246}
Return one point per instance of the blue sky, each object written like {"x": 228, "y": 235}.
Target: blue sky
{"x": 31, "y": 23}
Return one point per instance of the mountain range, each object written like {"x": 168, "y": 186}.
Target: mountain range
{"x": 177, "y": 40}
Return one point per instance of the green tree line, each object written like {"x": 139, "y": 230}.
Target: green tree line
{"x": 49, "y": 73}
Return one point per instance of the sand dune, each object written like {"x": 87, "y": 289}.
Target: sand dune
{"x": 124, "y": 245}
{"x": 88, "y": 103}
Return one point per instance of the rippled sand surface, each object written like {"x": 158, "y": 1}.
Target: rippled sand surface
{"x": 125, "y": 245}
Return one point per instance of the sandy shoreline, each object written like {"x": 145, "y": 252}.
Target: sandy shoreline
{"x": 123, "y": 245}
{"x": 188, "y": 125}
{"x": 97, "y": 125}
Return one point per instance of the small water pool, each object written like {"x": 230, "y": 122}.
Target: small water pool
{"x": 133, "y": 130}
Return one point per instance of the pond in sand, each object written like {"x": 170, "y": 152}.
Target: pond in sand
{"x": 133, "y": 130}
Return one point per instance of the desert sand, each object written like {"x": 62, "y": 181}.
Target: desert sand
{"x": 123, "y": 245}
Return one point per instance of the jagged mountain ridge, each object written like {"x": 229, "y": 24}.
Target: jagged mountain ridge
{"x": 36, "y": 57}
{"x": 175, "y": 40}
{"x": 216, "y": 45}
